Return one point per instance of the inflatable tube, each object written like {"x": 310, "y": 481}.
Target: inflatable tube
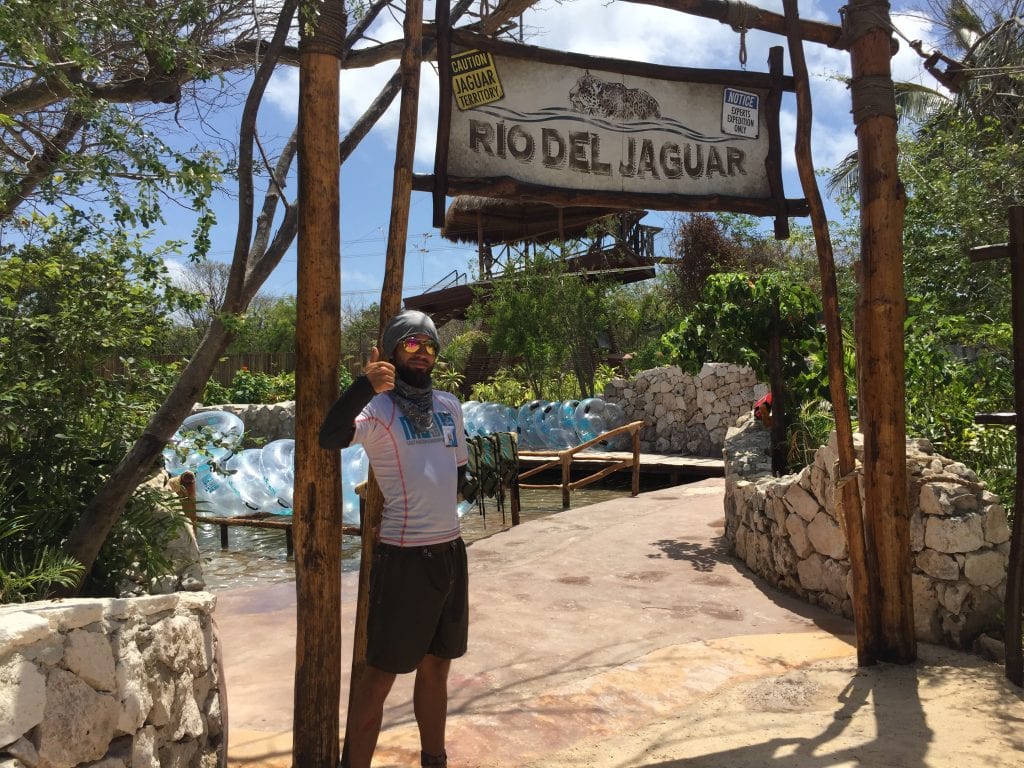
{"x": 215, "y": 496}
{"x": 355, "y": 467}
{"x": 209, "y": 436}
{"x": 245, "y": 475}
{"x": 277, "y": 460}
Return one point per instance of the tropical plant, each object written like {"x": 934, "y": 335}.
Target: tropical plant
{"x": 66, "y": 304}
{"x": 503, "y": 387}
{"x": 768, "y": 323}
{"x": 546, "y": 319}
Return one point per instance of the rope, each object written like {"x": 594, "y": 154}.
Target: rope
{"x": 738, "y": 15}
{"x": 872, "y": 95}
{"x": 865, "y": 17}
{"x": 329, "y": 34}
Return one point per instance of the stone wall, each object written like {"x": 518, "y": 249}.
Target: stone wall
{"x": 686, "y": 413}
{"x": 111, "y": 683}
{"x": 786, "y": 530}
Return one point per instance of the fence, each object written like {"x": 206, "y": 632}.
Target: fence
{"x": 272, "y": 363}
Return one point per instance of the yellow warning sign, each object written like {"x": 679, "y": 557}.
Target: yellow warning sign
{"x": 475, "y": 80}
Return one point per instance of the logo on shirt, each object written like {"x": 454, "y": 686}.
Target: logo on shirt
{"x": 443, "y": 428}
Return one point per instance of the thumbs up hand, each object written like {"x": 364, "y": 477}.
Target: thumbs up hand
{"x": 380, "y": 373}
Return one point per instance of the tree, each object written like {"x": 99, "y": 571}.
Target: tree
{"x": 768, "y": 323}
{"x": 68, "y": 301}
{"x": 546, "y": 319}
{"x": 89, "y": 90}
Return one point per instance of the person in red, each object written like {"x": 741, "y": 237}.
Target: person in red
{"x": 763, "y": 410}
{"x": 419, "y": 599}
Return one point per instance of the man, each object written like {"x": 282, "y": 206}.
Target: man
{"x": 418, "y": 614}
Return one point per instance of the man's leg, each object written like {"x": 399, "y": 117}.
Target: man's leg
{"x": 430, "y": 702}
{"x": 368, "y": 705}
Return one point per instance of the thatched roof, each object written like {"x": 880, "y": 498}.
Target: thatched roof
{"x": 512, "y": 221}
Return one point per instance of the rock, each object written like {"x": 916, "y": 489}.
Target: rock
{"x": 994, "y": 523}
{"x": 938, "y": 565}
{"x": 78, "y": 723}
{"x": 797, "y": 530}
{"x": 22, "y": 697}
{"x": 90, "y": 656}
{"x": 827, "y": 537}
{"x": 954, "y": 534}
{"x": 985, "y": 569}
{"x": 811, "y": 573}
{"x": 801, "y": 502}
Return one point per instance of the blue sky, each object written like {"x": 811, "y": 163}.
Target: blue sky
{"x": 617, "y": 30}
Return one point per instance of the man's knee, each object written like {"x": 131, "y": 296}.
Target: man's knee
{"x": 434, "y": 667}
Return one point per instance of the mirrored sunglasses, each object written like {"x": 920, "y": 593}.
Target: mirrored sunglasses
{"x": 412, "y": 345}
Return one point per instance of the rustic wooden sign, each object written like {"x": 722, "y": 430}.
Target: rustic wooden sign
{"x": 521, "y": 121}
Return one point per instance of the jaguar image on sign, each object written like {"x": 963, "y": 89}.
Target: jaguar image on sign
{"x": 586, "y": 127}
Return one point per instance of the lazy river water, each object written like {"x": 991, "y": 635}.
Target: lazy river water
{"x": 257, "y": 556}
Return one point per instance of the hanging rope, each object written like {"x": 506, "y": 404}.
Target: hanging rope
{"x": 738, "y": 15}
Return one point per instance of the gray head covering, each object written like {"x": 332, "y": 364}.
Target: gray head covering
{"x": 406, "y": 323}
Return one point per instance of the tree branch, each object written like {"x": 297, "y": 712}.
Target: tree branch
{"x": 42, "y": 164}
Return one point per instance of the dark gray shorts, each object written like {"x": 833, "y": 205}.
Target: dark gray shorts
{"x": 419, "y": 604}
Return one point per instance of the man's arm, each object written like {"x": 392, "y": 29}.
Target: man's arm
{"x": 339, "y": 426}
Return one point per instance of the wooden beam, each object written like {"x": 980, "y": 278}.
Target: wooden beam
{"x": 989, "y": 252}
{"x": 754, "y": 18}
{"x": 317, "y": 518}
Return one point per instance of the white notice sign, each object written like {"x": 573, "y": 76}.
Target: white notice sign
{"x": 740, "y": 113}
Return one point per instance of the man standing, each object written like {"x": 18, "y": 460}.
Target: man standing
{"x": 418, "y": 614}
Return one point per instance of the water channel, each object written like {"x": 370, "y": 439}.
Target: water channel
{"x": 257, "y": 556}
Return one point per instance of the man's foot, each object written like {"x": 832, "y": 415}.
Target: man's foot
{"x": 434, "y": 761}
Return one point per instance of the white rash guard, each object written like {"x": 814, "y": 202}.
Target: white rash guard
{"x": 417, "y": 472}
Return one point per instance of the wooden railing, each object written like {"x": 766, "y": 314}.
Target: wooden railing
{"x": 565, "y": 458}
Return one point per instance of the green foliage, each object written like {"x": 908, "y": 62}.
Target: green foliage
{"x": 546, "y": 320}
{"x": 810, "y": 430}
{"x": 447, "y": 378}
{"x": 67, "y": 304}
{"x": 638, "y": 314}
{"x": 510, "y": 386}
{"x": 944, "y": 389}
{"x": 256, "y": 387}
{"x": 502, "y": 387}
{"x": 731, "y": 324}
{"x": 268, "y": 326}
{"x": 26, "y": 574}
{"x": 960, "y": 177}
{"x": 993, "y": 455}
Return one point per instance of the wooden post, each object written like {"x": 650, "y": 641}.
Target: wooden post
{"x": 865, "y": 615}
{"x": 1015, "y": 571}
{"x": 634, "y": 444}
{"x": 566, "y": 459}
{"x": 317, "y": 517}
{"x": 881, "y": 309}
{"x": 1013, "y": 603}
{"x": 390, "y": 304}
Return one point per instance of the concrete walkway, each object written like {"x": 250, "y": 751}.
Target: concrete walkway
{"x": 621, "y": 634}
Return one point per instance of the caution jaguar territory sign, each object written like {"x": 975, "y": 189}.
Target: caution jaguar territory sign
{"x": 528, "y": 120}
{"x": 475, "y": 80}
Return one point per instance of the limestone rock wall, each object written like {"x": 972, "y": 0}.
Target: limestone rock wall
{"x": 116, "y": 683}
{"x": 686, "y": 413}
{"x": 787, "y": 531}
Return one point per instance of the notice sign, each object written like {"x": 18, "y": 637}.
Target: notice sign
{"x": 740, "y": 113}
{"x": 475, "y": 80}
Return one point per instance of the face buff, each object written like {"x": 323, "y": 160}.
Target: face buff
{"x": 417, "y": 403}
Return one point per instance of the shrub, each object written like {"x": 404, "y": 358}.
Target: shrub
{"x": 67, "y": 303}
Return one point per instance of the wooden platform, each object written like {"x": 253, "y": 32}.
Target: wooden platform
{"x": 677, "y": 467}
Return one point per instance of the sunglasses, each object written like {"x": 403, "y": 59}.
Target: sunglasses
{"x": 412, "y": 345}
